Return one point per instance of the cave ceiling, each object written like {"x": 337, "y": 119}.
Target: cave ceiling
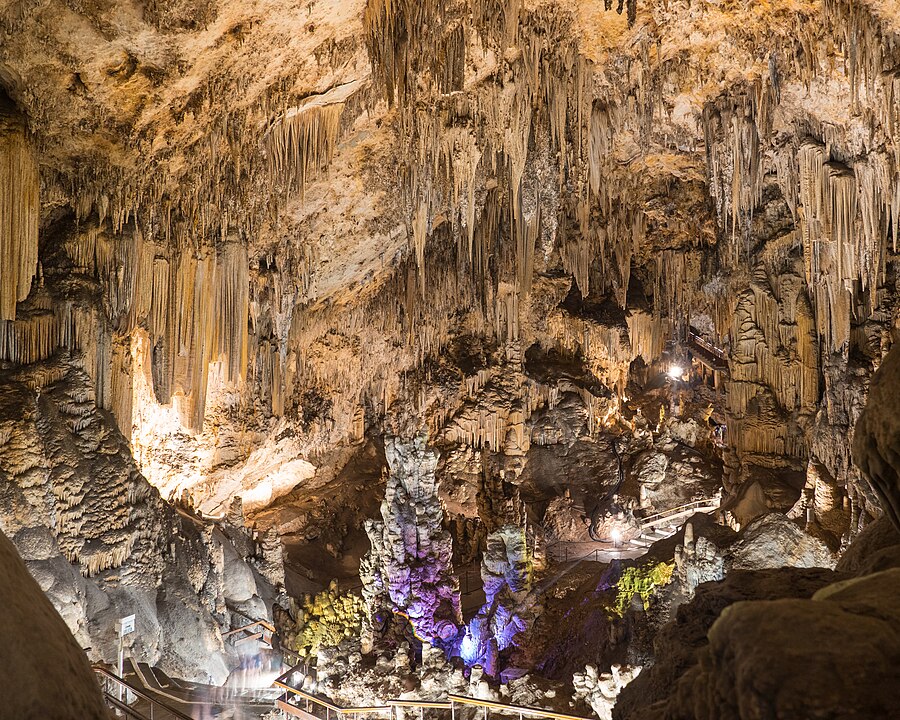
{"x": 270, "y": 228}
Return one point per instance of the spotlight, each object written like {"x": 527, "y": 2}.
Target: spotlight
{"x": 468, "y": 649}
{"x": 616, "y": 536}
{"x": 675, "y": 372}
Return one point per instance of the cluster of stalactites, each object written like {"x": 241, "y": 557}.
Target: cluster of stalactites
{"x": 736, "y": 127}
{"x": 198, "y": 316}
{"x": 19, "y": 209}
{"x": 846, "y": 213}
{"x": 845, "y": 210}
{"x": 871, "y": 49}
{"x": 301, "y": 142}
{"x": 194, "y": 307}
{"x": 407, "y": 39}
{"x": 478, "y": 135}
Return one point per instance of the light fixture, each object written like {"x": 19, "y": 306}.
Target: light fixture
{"x": 675, "y": 372}
{"x": 616, "y": 536}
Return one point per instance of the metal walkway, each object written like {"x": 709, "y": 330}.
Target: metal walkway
{"x": 705, "y": 352}
{"x": 125, "y": 700}
{"x": 147, "y": 693}
{"x": 298, "y": 703}
{"x": 653, "y": 529}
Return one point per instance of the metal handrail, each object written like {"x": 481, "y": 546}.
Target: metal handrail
{"x": 129, "y": 688}
{"x": 676, "y": 510}
{"x": 646, "y": 524}
{"x": 448, "y": 704}
{"x": 123, "y": 708}
{"x": 437, "y": 704}
{"x": 519, "y": 710}
{"x": 325, "y": 702}
{"x": 253, "y": 621}
{"x": 706, "y": 345}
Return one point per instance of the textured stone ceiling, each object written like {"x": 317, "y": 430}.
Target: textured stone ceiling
{"x": 286, "y": 209}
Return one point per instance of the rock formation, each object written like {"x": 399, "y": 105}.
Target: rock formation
{"x": 410, "y": 562}
{"x": 877, "y": 434}
{"x": 609, "y": 258}
{"x": 43, "y": 668}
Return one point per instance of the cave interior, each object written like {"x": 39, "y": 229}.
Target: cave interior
{"x": 441, "y": 359}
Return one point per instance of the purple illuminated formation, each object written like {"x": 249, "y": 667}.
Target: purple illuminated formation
{"x": 409, "y": 568}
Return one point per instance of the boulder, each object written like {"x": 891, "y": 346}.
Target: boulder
{"x": 43, "y": 671}
{"x": 776, "y": 541}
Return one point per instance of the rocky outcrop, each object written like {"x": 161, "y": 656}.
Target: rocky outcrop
{"x": 99, "y": 539}
{"x": 601, "y": 690}
{"x": 677, "y": 645}
{"x": 775, "y": 541}
{"x": 875, "y": 442}
{"x": 770, "y": 643}
{"x": 844, "y": 625}
{"x": 44, "y": 671}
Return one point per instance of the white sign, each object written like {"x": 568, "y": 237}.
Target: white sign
{"x": 125, "y": 625}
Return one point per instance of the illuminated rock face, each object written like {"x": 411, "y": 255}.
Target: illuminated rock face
{"x": 101, "y": 542}
{"x": 253, "y": 283}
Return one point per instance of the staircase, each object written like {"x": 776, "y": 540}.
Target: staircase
{"x": 665, "y": 524}
{"x": 653, "y": 529}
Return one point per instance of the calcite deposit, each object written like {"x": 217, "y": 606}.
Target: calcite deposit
{"x": 443, "y": 317}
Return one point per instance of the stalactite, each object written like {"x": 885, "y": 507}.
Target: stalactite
{"x": 648, "y": 333}
{"x": 736, "y": 126}
{"x": 774, "y": 372}
{"x": 419, "y": 236}
{"x": 30, "y": 339}
{"x": 846, "y": 213}
{"x": 526, "y": 238}
{"x": 406, "y": 38}
{"x": 195, "y": 329}
{"x": 232, "y": 299}
{"x": 606, "y": 349}
{"x": 19, "y": 209}
{"x": 872, "y": 48}
{"x": 576, "y": 255}
{"x": 302, "y": 142}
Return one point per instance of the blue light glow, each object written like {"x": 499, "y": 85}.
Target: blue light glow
{"x": 468, "y": 649}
